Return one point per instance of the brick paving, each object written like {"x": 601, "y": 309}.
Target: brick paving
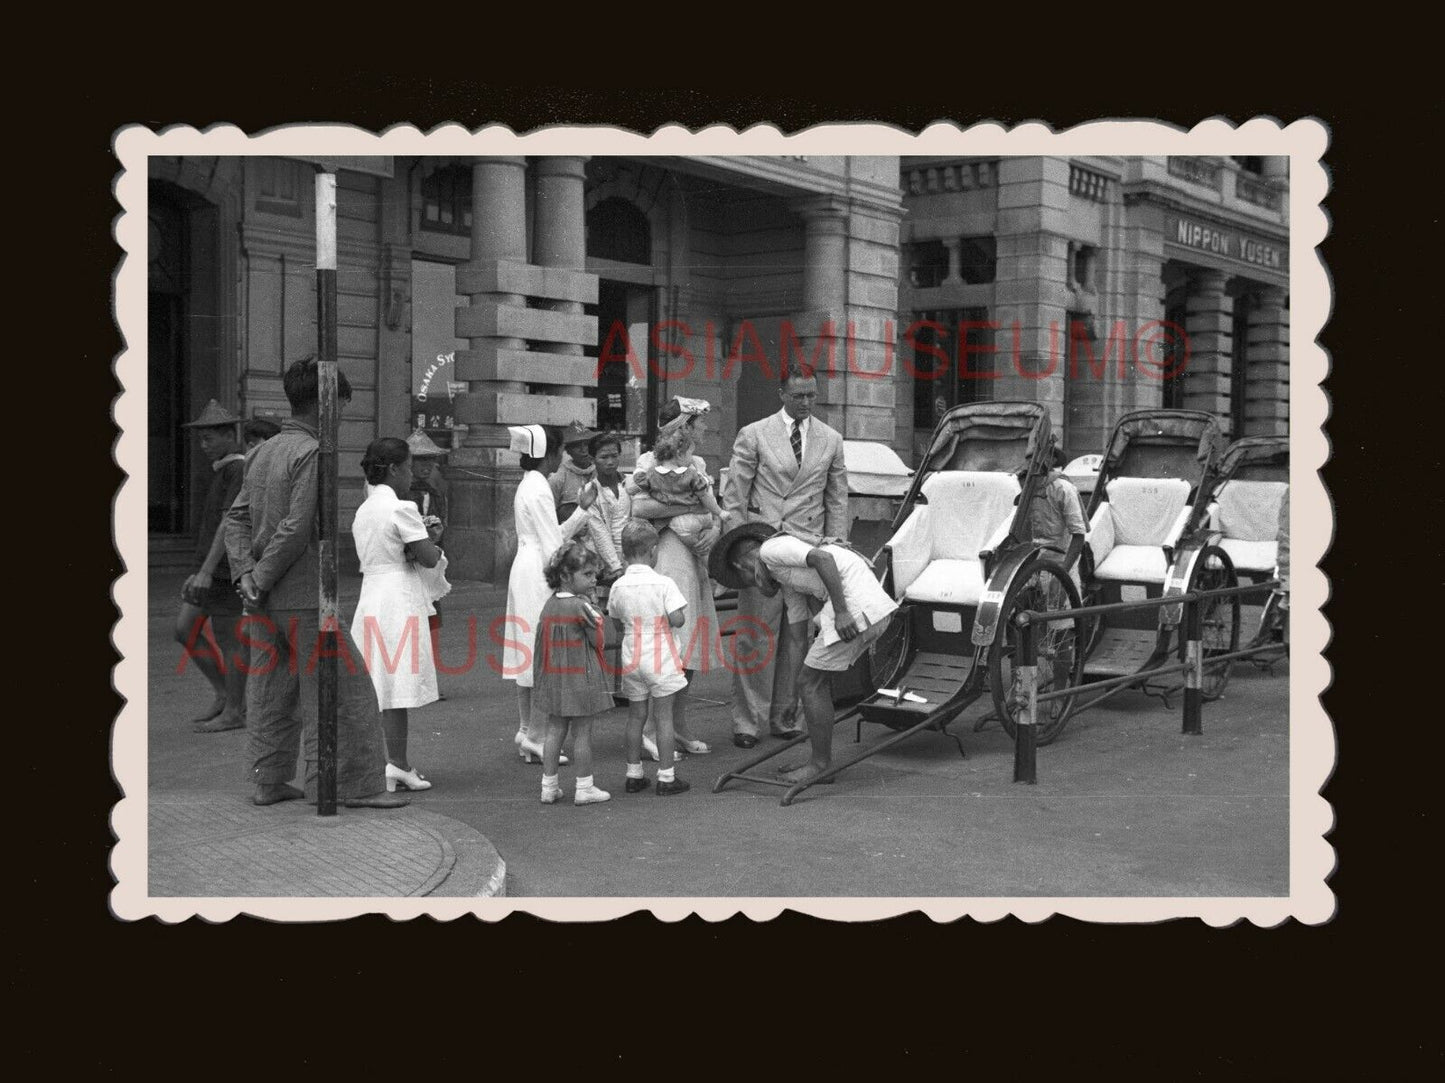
{"x": 221, "y": 845}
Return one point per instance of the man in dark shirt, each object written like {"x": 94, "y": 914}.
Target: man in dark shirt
{"x": 207, "y": 598}
{"x": 271, "y": 537}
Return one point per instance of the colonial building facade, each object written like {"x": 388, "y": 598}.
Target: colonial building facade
{"x": 475, "y": 293}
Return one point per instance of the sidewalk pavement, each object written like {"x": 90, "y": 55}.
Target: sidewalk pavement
{"x": 1125, "y": 804}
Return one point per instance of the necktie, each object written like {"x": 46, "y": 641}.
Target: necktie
{"x": 798, "y": 441}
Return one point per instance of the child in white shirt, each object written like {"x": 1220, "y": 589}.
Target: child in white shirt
{"x": 649, "y": 606}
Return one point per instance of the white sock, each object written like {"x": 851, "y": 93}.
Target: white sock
{"x": 664, "y": 774}
{"x": 549, "y": 782}
{"x": 634, "y": 770}
{"x": 584, "y": 783}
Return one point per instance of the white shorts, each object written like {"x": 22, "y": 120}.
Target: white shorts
{"x": 642, "y": 684}
{"x": 840, "y": 655}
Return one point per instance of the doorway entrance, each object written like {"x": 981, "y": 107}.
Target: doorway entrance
{"x": 182, "y": 354}
{"x": 626, "y": 390}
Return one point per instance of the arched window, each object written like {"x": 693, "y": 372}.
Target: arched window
{"x": 617, "y": 230}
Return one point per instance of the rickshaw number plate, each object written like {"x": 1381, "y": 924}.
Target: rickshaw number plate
{"x": 944, "y": 621}
{"x": 993, "y": 597}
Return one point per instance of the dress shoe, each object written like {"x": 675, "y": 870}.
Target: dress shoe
{"x": 697, "y": 748}
{"x": 637, "y": 785}
{"x": 407, "y": 780}
{"x": 649, "y": 751}
{"x": 376, "y": 800}
{"x": 786, "y": 735}
{"x": 220, "y": 724}
{"x": 667, "y": 789}
{"x": 272, "y": 794}
{"x": 745, "y": 740}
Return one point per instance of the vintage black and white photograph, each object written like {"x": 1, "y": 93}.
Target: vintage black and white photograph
{"x": 855, "y": 519}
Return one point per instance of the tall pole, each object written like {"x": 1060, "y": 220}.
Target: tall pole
{"x": 326, "y": 490}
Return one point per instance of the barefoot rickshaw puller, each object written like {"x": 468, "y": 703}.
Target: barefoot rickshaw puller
{"x": 816, "y": 576}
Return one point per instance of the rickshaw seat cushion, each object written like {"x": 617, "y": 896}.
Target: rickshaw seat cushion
{"x": 948, "y": 582}
{"x": 1146, "y": 511}
{"x": 1133, "y": 564}
{"x": 1248, "y": 511}
{"x": 1251, "y": 556}
{"x": 962, "y": 518}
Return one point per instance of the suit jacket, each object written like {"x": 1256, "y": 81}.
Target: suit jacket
{"x": 766, "y": 484}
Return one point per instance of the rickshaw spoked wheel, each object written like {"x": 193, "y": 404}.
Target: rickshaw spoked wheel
{"x": 1219, "y": 623}
{"x": 1040, "y": 585}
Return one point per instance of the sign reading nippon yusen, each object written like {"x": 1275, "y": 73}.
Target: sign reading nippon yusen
{"x": 1228, "y": 243}
{"x": 376, "y": 166}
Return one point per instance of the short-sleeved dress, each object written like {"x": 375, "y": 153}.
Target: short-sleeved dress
{"x": 390, "y": 626}
{"x": 567, "y": 676}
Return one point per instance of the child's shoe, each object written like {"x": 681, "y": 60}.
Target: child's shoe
{"x": 667, "y": 789}
{"x": 551, "y": 791}
{"x": 637, "y": 785}
{"x": 588, "y": 794}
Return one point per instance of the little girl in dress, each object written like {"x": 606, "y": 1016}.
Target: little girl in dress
{"x": 568, "y": 684}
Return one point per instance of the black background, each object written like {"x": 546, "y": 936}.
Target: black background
{"x": 531, "y": 997}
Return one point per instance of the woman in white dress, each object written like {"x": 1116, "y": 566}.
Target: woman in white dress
{"x": 394, "y": 544}
{"x": 699, "y": 631}
{"x": 539, "y": 535}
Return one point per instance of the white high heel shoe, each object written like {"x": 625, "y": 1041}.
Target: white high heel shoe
{"x": 531, "y": 751}
{"x": 649, "y": 751}
{"x": 408, "y": 780}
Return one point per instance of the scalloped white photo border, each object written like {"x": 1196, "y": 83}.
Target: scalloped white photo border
{"x": 1312, "y": 746}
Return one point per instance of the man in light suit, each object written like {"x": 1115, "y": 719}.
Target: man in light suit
{"x": 787, "y": 470}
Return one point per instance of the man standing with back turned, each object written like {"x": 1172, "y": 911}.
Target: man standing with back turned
{"x": 787, "y": 471}
{"x": 271, "y": 540}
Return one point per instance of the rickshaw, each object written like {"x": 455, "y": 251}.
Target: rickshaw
{"x": 1244, "y": 509}
{"x": 961, "y": 562}
{"x": 1149, "y": 537}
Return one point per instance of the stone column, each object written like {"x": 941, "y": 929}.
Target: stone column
{"x": 955, "y": 261}
{"x": 561, "y": 236}
{"x": 1031, "y": 291}
{"x": 825, "y": 227}
{"x": 1266, "y": 409}
{"x": 1210, "y": 326}
{"x": 481, "y": 475}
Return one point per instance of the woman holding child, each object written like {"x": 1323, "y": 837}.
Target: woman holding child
{"x": 697, "y": 637}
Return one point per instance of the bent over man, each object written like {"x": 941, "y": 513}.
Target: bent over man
{"x": 830, "y": 580}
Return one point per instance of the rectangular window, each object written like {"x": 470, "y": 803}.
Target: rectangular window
{"x": 446, "y": 200}
{"x": 950, "y": 360}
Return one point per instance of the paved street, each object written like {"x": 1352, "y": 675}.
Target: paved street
{"x": 1125, "y": 805}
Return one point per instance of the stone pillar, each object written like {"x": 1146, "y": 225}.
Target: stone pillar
{"x": 1031, "y": 292}
{"x": 955, "y": 261}
{"x": 825, "y": 226}
{"x": 1266, "y": 408}
{"x": 481, "y": 475}
{"x": 561, "y": 235}
{"x": 1210, "y": 326}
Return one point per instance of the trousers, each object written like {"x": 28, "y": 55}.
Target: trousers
{"x": 756, "y": 643}
{"x": 281, "y": 705}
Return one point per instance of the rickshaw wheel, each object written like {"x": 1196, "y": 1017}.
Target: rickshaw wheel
{"x": 1041, "y": 585}
{"x": 1219, "y": 623}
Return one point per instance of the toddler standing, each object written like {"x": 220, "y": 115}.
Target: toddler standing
{"x": 568, "y": 684}
{"x": 674, "y": 480}
{"x": 650, "y": 606}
